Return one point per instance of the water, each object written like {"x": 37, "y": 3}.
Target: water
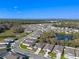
{"x": 63, "y": 37}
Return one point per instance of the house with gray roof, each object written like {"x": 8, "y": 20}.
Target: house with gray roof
{"x": 58, "y": 49}
{"x": 3, "y": 52}
{"x": 48, "y": 47}
{"x": 9, "y": 39}
{"x": 10, "y": 56}
{"x": 28, "y": 30}
{"x": 2, "y": 46}
{"x": 39, "y": 45}
{"x": 69, "y": 52}
{"x": 29, "y": 40}
{"x": 29, "y": 43}
{"x": 35, "y": 34}
{"x": 77, "y": 53}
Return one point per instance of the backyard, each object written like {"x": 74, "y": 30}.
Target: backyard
{"x": 52, "y": 55}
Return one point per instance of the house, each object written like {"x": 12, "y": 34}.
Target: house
{"x": 21, "y": 56}
{"x": 2, "y": 46}
{"x": 31, "y": 28}
{"x": 28, "y": 30}
{"x": 77, "y": 53}
{"x": 10, "y": 56}
{"x": 58, "y": 49}
{"x": 30, "y": 40}
{"x": 35, "y": 34}
{"x": 29, "y": 43}
{"x": 39, "y": 46}
{"x": 48, "y": 47}
{"x": 4, "y": 43}
{"x": 69, "y": 52}
{"x": 9, "y": 39}
{"x": 3, "y": 52}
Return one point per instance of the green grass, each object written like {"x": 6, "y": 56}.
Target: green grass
{"x": 22, "y": 35}
{"x": 24, "y": 47}
{"x": 1, "y": 39}
{"x": 10, "y": 33}
{"x": 7, "y": 33}
{"x": 42, "y": 52}
{"x": 52, "y": 55}
{"x": 62, "y": 57}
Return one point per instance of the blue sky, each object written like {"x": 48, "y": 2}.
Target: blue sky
{"x": 39, "y": 9}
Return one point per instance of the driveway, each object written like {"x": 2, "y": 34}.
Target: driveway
{"x": 16, "y": 48}
{"x": 38, "y": 50}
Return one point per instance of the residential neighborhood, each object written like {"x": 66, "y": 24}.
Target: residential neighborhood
{"x": 41, "y": 42}
{"x": 39, "y": 29}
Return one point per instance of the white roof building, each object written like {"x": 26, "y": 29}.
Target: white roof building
{"x": 58, "y": 49}
{"x": 69, "y": 52}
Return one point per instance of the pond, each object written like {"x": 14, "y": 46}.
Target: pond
{"x": 63, "y": 37}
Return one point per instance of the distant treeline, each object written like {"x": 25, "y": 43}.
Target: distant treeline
{"x": 35, "y": 21}
{"x": 24, "y": 21}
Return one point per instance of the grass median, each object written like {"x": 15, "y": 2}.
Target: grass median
{"x": 24, "y": 47}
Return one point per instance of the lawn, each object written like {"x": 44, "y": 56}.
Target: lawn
{"x": 52, "y": 55}
{"x": 24, "y": 47}
{"x": 10, "y": 33}
{"x": 1, "y": 39}
{"x": 22, "y": 35}
{"x": 7, "y": 33}
{"x": 42, "y": 52}
{"x": 62, "y": 57}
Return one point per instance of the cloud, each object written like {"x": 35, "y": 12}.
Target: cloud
{"x": 15, "y": 7}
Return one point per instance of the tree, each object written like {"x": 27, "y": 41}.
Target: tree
{"x": 1, "y": 58}
{"x": 17, "y": 29}
{"x": 9, "y": 47}
{"x": 47, "y": 37}
{"x": 74, "y": 43}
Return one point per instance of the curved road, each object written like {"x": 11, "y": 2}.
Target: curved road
{"x": 16, "y": 48}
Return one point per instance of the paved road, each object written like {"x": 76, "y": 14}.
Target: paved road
{"x": 16, "y": 48}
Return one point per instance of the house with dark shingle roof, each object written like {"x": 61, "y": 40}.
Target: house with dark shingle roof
{"x": 48, "y": 47}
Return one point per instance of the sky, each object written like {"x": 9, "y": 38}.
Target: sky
{"x": 39, "y": 9}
